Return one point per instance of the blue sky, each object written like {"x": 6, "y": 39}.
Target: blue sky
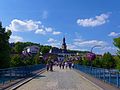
{"x": 84, "y": 23}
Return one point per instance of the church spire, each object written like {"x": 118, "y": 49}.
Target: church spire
{"x": 64, "y": 46}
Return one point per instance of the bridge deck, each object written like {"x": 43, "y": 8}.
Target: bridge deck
{"x": 59, "y": 80}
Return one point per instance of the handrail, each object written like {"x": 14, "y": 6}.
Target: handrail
{"x": 15, "y": 73}
{"x": 111, "y": 76}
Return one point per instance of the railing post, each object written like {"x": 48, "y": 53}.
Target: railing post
{"x": 3, "y": 77}
{"x": 109, "y": 76}
{"x": 10, "y": 71}
{"x": 96, "y": 72}
{"x": 99, "y": 72}
{"x": 117, "y": 77}
{"x": 104, "y": 74}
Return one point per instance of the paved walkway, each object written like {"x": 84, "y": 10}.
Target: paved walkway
{"x": 59, "y": 80}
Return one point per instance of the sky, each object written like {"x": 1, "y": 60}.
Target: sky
{"x": 84, "y": 23}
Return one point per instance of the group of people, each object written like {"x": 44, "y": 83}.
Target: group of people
{"x": 49, "y": 65}
{"x": 62, "y": 65}
{"x": 66, "y": 64}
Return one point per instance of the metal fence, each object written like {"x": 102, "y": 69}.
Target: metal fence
{"x": 111, "y": 76}
{"x": 15, "y": 74}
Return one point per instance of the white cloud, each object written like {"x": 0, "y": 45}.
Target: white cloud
{"x": 90, "y": 43}
{"x": 51, "y": 40}
{"x": 49, "y": 29}
{"x": 56, "y": 32}
{"x": 30, "y": 25}
{"x": 92, "y": 22}
{"x": 40, "y": 31}
{"x": 56, "y": 44}
{"x": 19, "y": 25}
{"x": 14, "y": 38}
{"x": 109, "y": 48}
{"x": 78, "y": 40}
{"x": 114, "y": 34}
{"x": 71, "y": 46}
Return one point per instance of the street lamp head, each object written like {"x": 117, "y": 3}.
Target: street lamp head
{"x": 95, "y": 47}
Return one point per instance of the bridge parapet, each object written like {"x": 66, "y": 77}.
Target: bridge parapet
{"x": 110, "y": 76}
{"x": 13, "y": 75}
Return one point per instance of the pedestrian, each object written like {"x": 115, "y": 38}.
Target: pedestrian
{"x": 63, "y": 64}
{"x": 47, "y": 65}
{"x": 51, "y": 65}
{"x": 72, "y": 65}
{"x": 66, "y": 65}
{"x": 60, "y": 64}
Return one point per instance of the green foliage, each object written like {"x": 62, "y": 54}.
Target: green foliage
{"x": 19, "y": 46}
{"x": 37, "y": 58}
{"x": 16, "y": 61}
{"x": 117, "y": 58}
{"x": 117, "y": 62}
{"x": 45, "y": 49}
{"x": 85, "y": 62}
{"x": 108, "y": 61}
{"x": 97, "y": 62}
{"x": 117, "y": 44}
{"x": 78, "y": 62}
{"x": 4, "y": 47}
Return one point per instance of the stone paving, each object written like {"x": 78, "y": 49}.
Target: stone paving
{"x": 60, "y": 79}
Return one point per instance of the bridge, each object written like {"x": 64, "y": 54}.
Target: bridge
{"x": 80, "y": 78}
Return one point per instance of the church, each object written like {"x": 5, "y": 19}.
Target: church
{"x": 62, "y": 52}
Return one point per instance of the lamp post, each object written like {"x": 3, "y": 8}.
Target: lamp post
{"x": 91, "y": 56}
{"x": 94, "y": 47}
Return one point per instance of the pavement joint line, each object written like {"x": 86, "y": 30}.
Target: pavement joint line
{"x": 24, "y": 82}
{"x": 91, "y": 82}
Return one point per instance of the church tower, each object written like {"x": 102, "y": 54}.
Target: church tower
{"x": 64, "y": 46}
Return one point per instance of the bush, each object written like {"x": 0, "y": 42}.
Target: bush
{"x": 16, "y": 61}
{"x": 108, "y": 61}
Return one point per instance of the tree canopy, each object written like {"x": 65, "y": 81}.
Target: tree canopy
{"x": 117, "y": 44}
{"x": 4, "y": 47}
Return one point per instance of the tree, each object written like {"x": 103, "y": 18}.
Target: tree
{"x": 108, "y": 61}
{"x": 37, "y": 58}
{"x": 4, "y": 47}
{"x": 117, "y": 44}
{"x": 117, "y": 58}
{"x": 117, "y": 62}
{"x": 97, "y": 62}
{"x": 19, "y": 46}
{"x": 45, "y": 49}
{"x": 16, "y": 61}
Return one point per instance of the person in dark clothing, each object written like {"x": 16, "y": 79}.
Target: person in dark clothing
{"x": 51, "y": 65}
{"x": 63, "y": 64}
{"x": 60, "y": 64}
{"x": 47, "y": 65}
{"x": 70, "y": 65}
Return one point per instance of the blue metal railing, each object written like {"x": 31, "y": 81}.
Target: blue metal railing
{"x": 111, "y": 76}
{"x": 9, "y": 75}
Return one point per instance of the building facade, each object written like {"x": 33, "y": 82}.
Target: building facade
{"x": 62, "y": 52}
{"x": 30, "y": 50}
